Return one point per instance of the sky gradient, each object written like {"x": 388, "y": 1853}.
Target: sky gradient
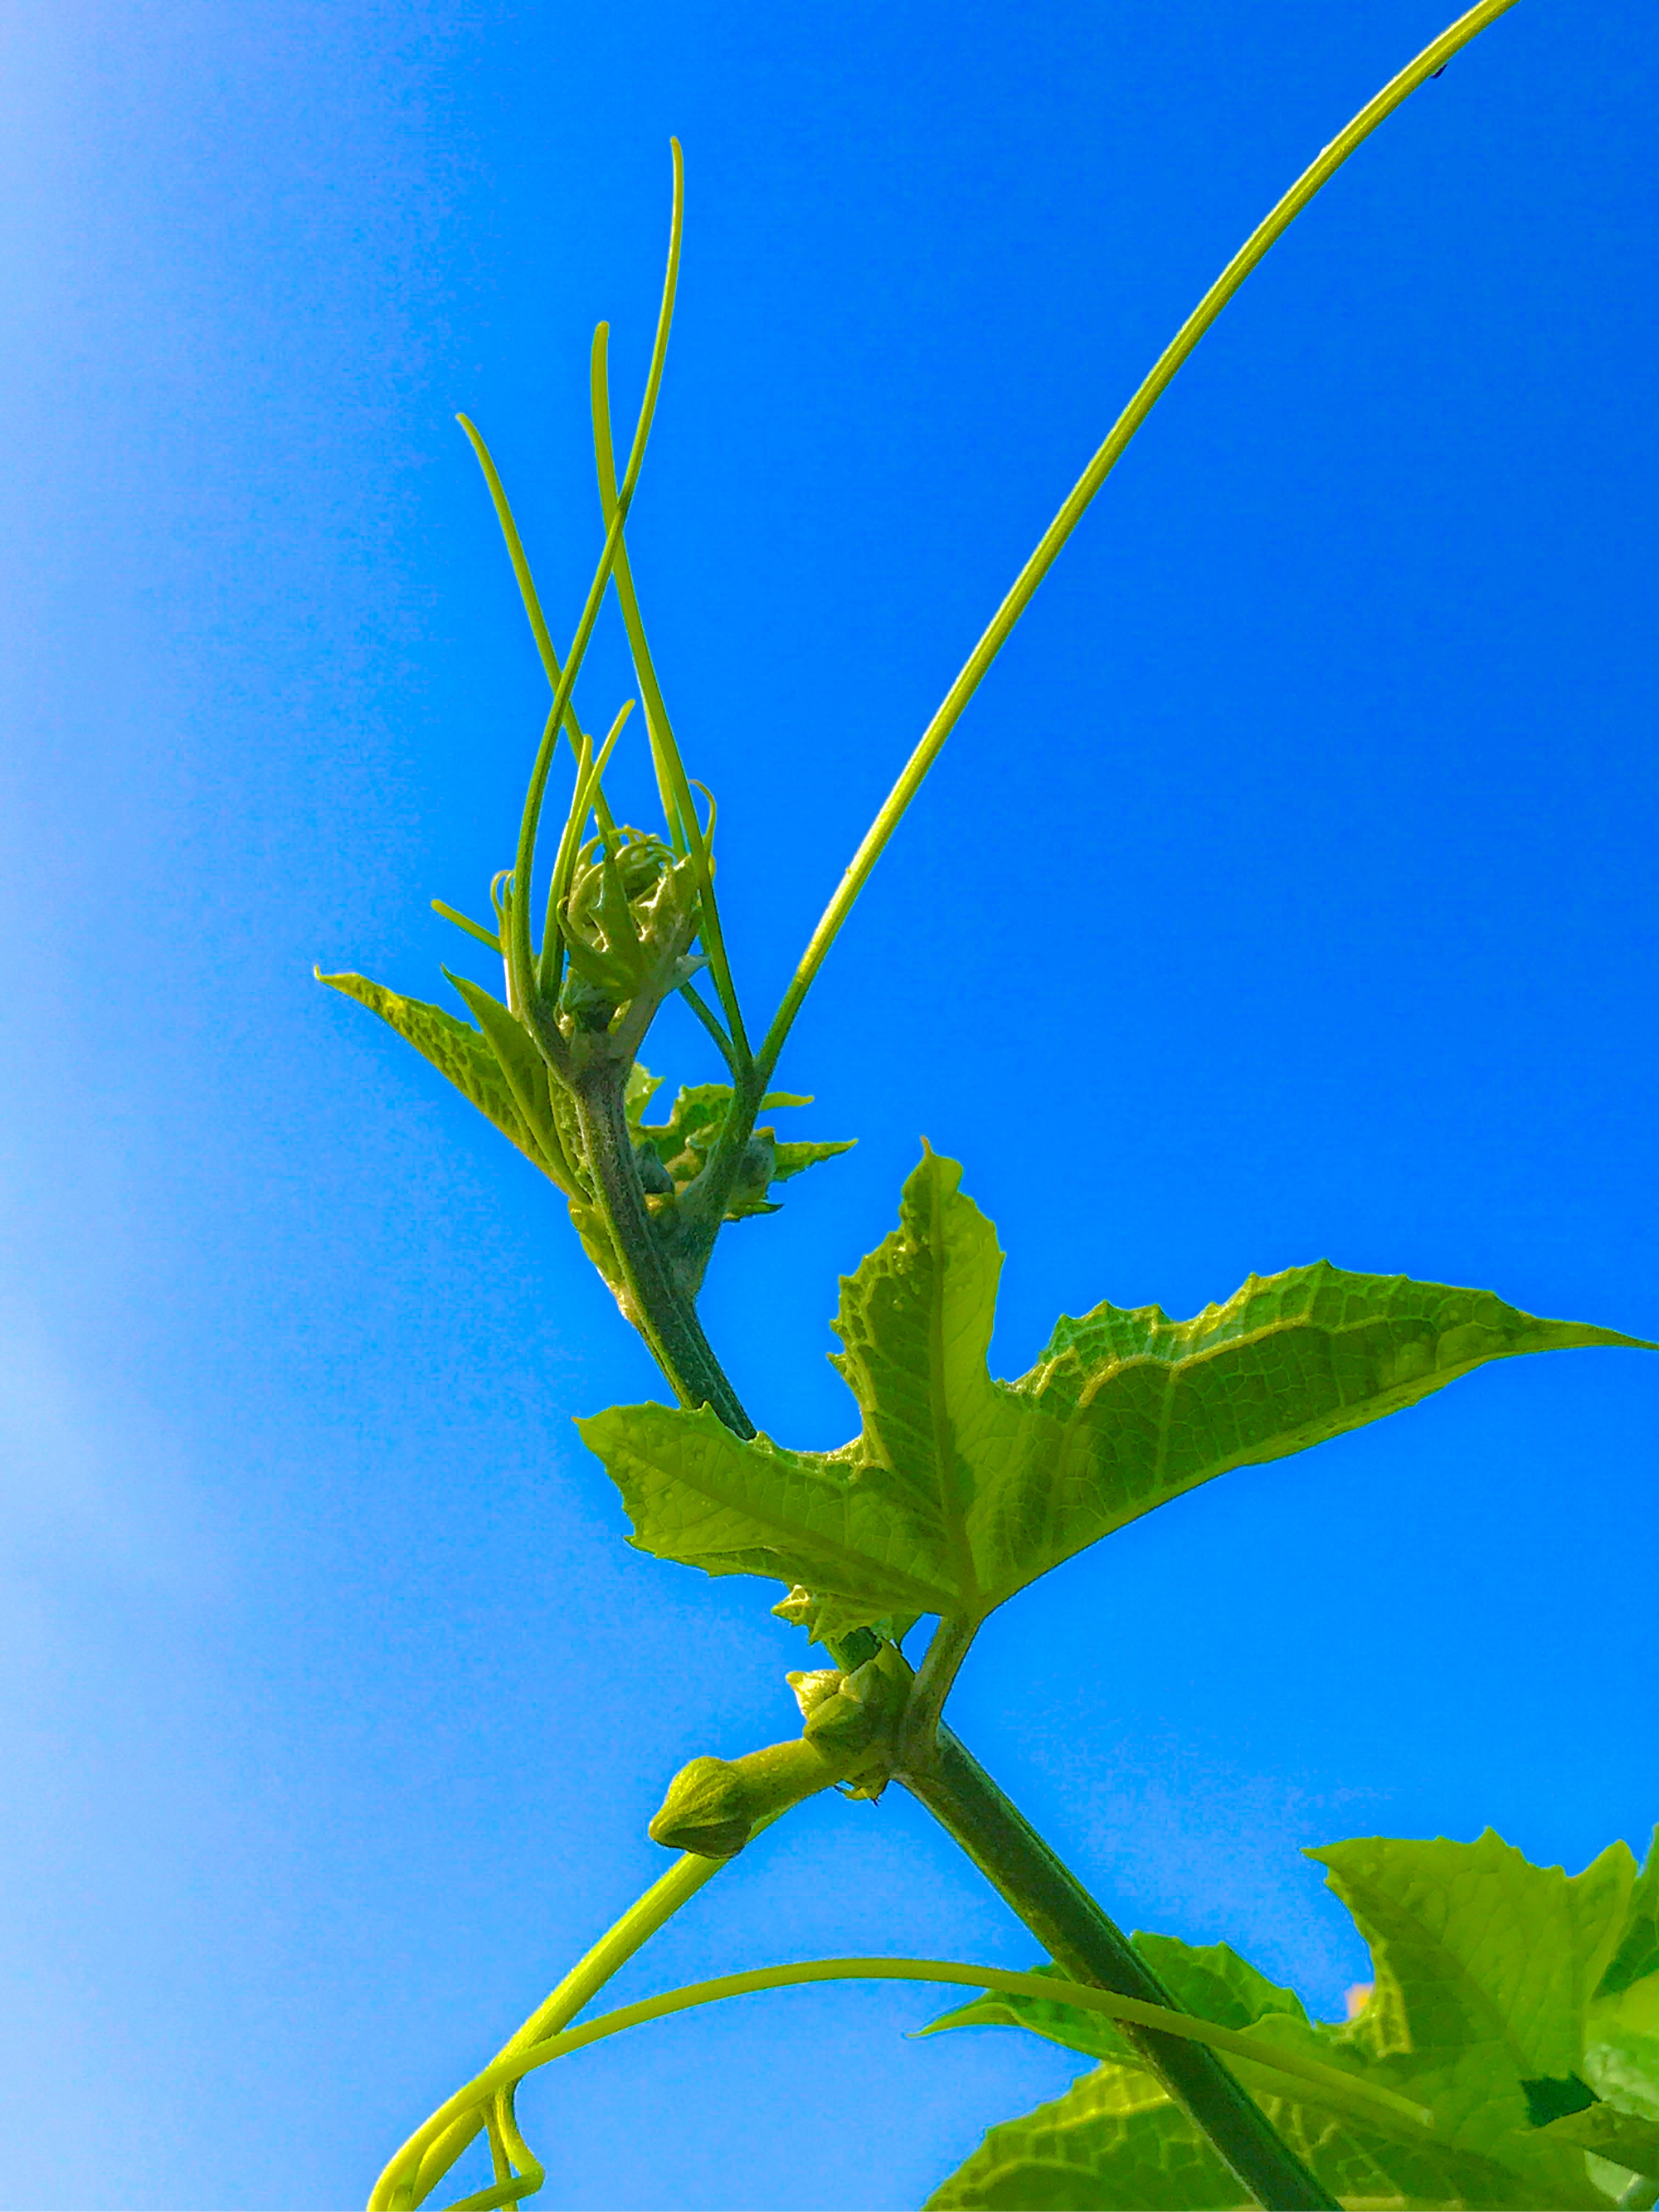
{"x": 1286, "y": 892}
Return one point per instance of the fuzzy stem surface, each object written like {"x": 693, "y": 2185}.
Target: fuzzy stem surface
{"x": 667, "y": 1315}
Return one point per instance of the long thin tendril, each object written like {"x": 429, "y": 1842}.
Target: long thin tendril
{"x": 410, "y": 2176}
{"x": 1339, "y": 2090}
{"x": 679, "y": 809}
{"x": 1433, "y": 58}
{"x": 521, "y": 959}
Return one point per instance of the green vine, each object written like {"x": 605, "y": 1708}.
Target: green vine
{"x": 958, "y": 1490}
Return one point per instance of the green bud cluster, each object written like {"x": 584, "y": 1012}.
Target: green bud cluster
{"x": 626, "y": 921}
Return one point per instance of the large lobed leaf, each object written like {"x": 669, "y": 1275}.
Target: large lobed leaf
{"x": 1490, "y": 1992}
{"x": 959, "y": 1490}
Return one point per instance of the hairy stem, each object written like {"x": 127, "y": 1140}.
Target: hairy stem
{"x": 666, "y": 1314}
{"x": 1092, "y": 1949}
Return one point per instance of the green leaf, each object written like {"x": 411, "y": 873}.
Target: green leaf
{"x": 694, "y": 1495}
{"x": 459, "y": 1053}
{"x": 825, "y": 1625}
{"x": 1090, "y": 2032}
{"x": 1116, "y": 2132}
{"x": 683, "y": 1143}
{"x": 498, "y": 1068}
{"x": 1609, "y": 2133}
{"x": 1472, "y": 1945}
{"x": 1211, "y": 1981}
{"x": 959, "y": 1490}
{"x": 1483, "y": 1966}
{"x": 545, "y": 1106}
{"x": 1637, "y": 1954}
{"x": 1621, "y": 2053}
{"x": 1118, "y": 2139}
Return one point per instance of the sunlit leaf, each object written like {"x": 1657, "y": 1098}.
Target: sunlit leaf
{"x": 959, "y": 1490}
{"x": 459, "y": 1053}
{"x": 1114, "y": 2132}
{"x": 1621, "y": 2054}
{"x": 544, "y": 1105}
{"x": 1612, "y": 2134}
{"x": 1480, "y": 2010}
{"x": 1471, "y": 1945}
{"x": 497, "y": 1067}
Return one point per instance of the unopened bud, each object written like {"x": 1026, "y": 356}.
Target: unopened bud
{"x": 706, "y": 1810}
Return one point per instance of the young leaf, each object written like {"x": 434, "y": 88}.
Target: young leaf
{"x": 959, "y": 1490}
{"x": 545, "y": 1106}
{"x": 459, "y": 1053}
{"x": 823, "y": 1624}
{"x": 683, "y": 1142}
{"x": 498, "y": 1068}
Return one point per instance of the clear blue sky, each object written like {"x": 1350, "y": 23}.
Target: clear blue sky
{"x": 1287, "y": 892}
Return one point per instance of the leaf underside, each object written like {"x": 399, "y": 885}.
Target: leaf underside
{"x": 497, "y": 1067}
{"x": 959, "y": 1490}
{"x": 1485, "y": 1968}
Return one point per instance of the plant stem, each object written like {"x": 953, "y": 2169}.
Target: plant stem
{"x": 1089, "y": 1947}
{"x": 1336, "y": 2090}
{"x": 665, "y": 1314}
{"x": 432, "y": 2156}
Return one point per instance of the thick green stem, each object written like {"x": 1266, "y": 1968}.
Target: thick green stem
{"x": 665, "y": 1314}
{"x": 1089, "y": 1947}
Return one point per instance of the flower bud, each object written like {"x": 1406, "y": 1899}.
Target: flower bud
{"x": 706, "y": 1810}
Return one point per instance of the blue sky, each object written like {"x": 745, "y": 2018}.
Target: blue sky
{"x": 1286, "y": 892}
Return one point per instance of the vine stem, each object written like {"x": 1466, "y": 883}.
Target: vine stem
{"x": 1089, "y": 1947}
{"x": 418, "y": 2167}
{"x": 667, "y": 1313}
{"x": 1428, "y": 63}
{"x": 1376, "y": 2104}
{"x": 938, "y": 1771}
